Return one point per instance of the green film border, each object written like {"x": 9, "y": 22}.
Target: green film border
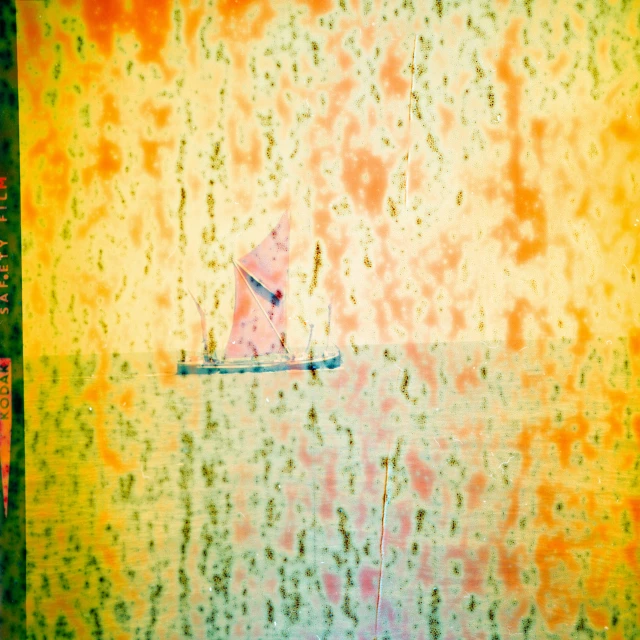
{"x": 13, "y": 554}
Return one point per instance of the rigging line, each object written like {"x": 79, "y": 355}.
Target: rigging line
{"x": 203, "y": 321}
{"x": 384, "y": 517}
{"x": 413, "y": 66}
{"x": 262, "y": 284}
{"x": 266, "y": 315}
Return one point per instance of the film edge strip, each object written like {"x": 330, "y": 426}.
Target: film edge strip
{"x": 13, "y": 552}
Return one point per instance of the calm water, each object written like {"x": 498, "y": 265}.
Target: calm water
{"x": 442, "y": 491}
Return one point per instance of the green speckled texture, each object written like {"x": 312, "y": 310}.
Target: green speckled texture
{"x": 12, "y": 524}
{"x": 461, "y": 179}
{"x": 488, "y": 495}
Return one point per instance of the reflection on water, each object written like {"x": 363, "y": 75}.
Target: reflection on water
{"x": 433, "y": 491}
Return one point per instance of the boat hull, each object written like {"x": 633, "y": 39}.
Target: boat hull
{"x": 331, "y": 360}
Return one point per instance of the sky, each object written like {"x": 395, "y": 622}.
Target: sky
{"x": 453, "y": 171}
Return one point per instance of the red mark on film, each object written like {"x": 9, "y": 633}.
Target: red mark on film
{"x": 5, "y": 427}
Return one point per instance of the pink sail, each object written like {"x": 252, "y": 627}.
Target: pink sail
{"x": 260, "y": 318}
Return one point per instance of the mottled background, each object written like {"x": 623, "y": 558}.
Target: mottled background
{"x": 462, "y": 180}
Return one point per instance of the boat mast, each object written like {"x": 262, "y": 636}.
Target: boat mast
{"x": 309, "y": 342}
{"x": 203, "y": 324}
{"x": 241, "y": 271}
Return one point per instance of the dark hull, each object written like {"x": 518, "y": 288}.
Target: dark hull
{"x": 330, "y": 360}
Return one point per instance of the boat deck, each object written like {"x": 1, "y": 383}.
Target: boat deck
{"x": 310, "y": 362}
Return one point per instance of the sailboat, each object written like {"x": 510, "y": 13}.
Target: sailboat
{"x": 258, "y": 339}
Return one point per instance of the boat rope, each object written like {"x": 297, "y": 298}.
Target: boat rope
{"x": 266, "y": 315}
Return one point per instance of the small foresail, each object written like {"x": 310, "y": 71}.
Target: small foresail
{"x": 260, "y": 317}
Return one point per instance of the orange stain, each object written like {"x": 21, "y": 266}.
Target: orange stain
{"x": 150, "y": 156}
{"x": 425, "y": 364}
{"x": 65, "y": 40}
{"x": 244, "y": 19}
{"x": 136, "y": 227}
{"x": 583, "y": 333}
{"x": 108, "y": 162}
{"x": 369, "y": 580}
{"x": 417, "y": 177}
{"x": 151, "y": 23}
{"x": 332, "y": 587}
{"x": 546, "y": 494}
{"x": 338, "y": 95}
{"x": 95, "y": 394}
{"x": 574, "y": 430}
{"x": 243, "y": 103}
{"x": 422, "y": 476}
{"x": 400, "y": 525}
{"x": 31, "y": 37}
{"x": 398, "y": 307}
{"x": 93, "y": 293}
{"x": 163, "y": 300}
{"x": 368, "y": 35}
{"x": 448, "y": 260}
{"x": 102, "y": 20}
{"x": 362, "y": 380}
{"x": 598, "y": 617}
{"x": 583, "y": 207}
{"x": 424, "y": 573}
{"x": 364, "y": 175}
{"x": 388, "y": 404}
{"x": 515, "y": 322}
{"x": 538, "y": 130}
{"x": 243, "y": 530}
{"x": 345, "y": 61}
{"x": 126, "y": 400}
{"x": 526, "y": 225}
{"x": 166, "y": 231}
{"x": 603, "y": 48}
{"x": 335, "y": 244}
{"x": 164, "y": 364}
{"x": 394, "y": 84}
{"x": 29, "y": 208}
{"x": 475, "y": 488}
{"x": 56, "y": 175}
{"x": 110, "y": 112}
{"x": 160, "y": 115}
{"x": 38, "y": 302}
{"x": 468, "y": 377}
{"x": 523, "y": 444}
{"x": 559, "y": 64}
{"x": 509, "y": 567}
{"x": 92, "y": 220}
{"x": 446, "y": 116}
{"x": 622, "y": 130}
{"x": 317, "y": 7}
{"x": 283, "y": 109}
{"x": 555, "y": 597}
{"x": 458, "y": 324}
{"x": 191, "y": 24}
{"x": 617, "y": 400}
{"x": 475, "y": 570}
{"x": 88, "y": 73}
{"x": 329, "y": 488}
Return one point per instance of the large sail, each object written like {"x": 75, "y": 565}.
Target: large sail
{"x": 260, "y": 318}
